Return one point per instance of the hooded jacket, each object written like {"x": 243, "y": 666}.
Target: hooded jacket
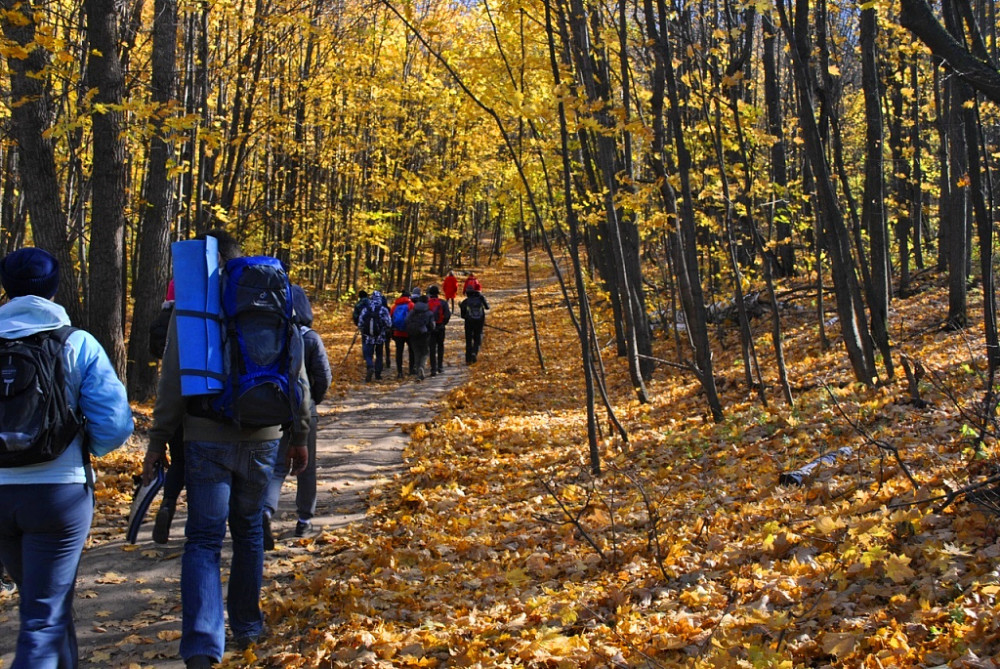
{"x": 402, "y": 299}
{"x": 91, "y": 386}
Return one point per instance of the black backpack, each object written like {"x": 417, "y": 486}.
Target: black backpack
{"x": 419, "y": 323}
{"x": 370, "y": 322}
{"x": 36, "y": 423}
{"x": 474, "y": 308}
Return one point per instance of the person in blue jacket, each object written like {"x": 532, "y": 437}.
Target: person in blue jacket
{"x": 46, "y": 509}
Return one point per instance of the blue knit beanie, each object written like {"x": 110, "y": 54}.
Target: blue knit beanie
{"x": 30, "y": 271}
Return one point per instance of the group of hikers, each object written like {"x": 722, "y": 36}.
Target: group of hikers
{"x": 61, "y": 403}
{"x": 416, "y": 321}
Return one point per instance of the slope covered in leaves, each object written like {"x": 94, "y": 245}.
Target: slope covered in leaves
{"x": 498, "y": 548}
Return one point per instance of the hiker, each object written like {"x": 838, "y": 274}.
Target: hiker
{"x": 473, "y": 309}
{"x": 450, "y": 287}
{"x": 358, "y": 306}
{"x": 374, "y": 324}
{"x": 387, "y": 359}
{"x": 442, "y": 314}
{"x": 471, "y": 284}
{"x": 400, "y": 309}
{"x": 46, "y": 482}
{"x": 173, "y": 483}
{"x": 419, "y": 326}
{"x": 228, "y": 468}
{"x": 318, "y": 370}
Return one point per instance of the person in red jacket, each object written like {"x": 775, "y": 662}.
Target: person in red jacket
{"x": 450, "y": 287}
{"x": 400, "y": 307}
{"x": 471, "y": 283}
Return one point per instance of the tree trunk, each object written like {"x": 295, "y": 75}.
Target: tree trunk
{"x": 153, "y": 270}
{"x": 107, "y": 225}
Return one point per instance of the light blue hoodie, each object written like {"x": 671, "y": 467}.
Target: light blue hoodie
{"x": 91, "y": 385}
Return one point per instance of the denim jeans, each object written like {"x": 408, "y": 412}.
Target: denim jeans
{"x": 373, "y": 355}
{"x": 42, "y": 531}
{"x": 305, "y": 493}
{"x": 224, "y": 480}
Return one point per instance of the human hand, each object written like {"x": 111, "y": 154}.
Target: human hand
{"x": 149, "y": 463}
{"x": 297, "y": 459}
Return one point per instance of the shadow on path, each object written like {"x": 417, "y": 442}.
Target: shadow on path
{"x": 127, "y": 606}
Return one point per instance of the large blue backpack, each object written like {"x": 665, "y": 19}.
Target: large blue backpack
{"x": 263, "y": 347}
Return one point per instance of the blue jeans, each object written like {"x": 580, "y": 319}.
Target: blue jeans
{"x": 224, "y": 480}
{"x": 373, "y": 355}
{"x": 42, "y": 532}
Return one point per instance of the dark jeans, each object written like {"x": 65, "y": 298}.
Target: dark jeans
{"x": 400, "y": 343}
{"x": 420, "y": 345}
{"x": 174, "y": 481}
{"x": 473, "y": 338}
{"x": 388, "y": 352}
{"x": 42, "y": 531}
{"x": 226, "y": 481}
{"x": 437, "y": 349}
{"x": 373, "y": 356}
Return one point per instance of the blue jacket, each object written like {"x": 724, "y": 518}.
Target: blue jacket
{"x": 91, "y": 385}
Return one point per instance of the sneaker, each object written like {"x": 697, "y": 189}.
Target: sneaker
{"x": 420, "y": 374}
{"x": 161, "y": 526}
{"x": 198, "y": 662}
{"x": 302, "y": 527}
{"x": 268, "y": 537}
{"x": 7, "y": 586}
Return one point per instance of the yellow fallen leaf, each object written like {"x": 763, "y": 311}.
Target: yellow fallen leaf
{"x": 839, "y": 643}
{"x": 897, "y": 567}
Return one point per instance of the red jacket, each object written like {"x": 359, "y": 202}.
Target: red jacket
{"x": 450, "y": 286}
{"x": 471, "y": 283}
{"x": 402, "y": 299}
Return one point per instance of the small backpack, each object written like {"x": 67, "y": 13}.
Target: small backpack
{"x": 369, "y": 322}
{"x": 437, "y": 308}
{"x": 36, "y": 423}
{"x": 474, "y": 309}
{"x": 263, "y": 348}
{"x": 399, "y": 316}
{"x": 419, "y": 323}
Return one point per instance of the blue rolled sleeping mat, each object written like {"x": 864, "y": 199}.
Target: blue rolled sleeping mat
{"x": 198, "y": 311}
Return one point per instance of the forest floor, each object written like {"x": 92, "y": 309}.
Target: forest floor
{"x": 493, "y": 543}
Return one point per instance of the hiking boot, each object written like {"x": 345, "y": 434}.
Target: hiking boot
{"x": 265, "y": 523}
{"x": 420, "y": 374}
{"x": 399, "y": 375}
{"x": 368, "y": 375}
{"x": 302, "y": 527}
{"x": 7, "y": 586}
{"x": 161, "y": 526}
{"x": 378, "y": 377}
{"x": 199, "y": 662}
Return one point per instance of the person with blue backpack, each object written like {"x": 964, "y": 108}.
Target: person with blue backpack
{"x": 231, "y": 442}
{"x": 46, "y": 440}
{"x": 374, "y": 324}
{"x": 398, "y": 312}
{"x": 318, "y": 370}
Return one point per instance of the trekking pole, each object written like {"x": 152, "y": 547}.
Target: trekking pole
{"x": 497, "y": 327}
{"x": 351, "y": 347}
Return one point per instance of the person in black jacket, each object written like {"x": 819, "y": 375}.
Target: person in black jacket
{"x": 318, "y": 370}
{"x": 473, "y": 309}
{"x": 419, "y": 326}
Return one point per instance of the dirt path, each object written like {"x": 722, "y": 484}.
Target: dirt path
{"x": 128, "y": 597}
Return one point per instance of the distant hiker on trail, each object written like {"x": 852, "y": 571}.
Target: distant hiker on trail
{"x": 229, "y": 450}
{"x": 419, "y": 326}
{"x": 318, "y": 370}
{"x": 442, "y": 314}
{"x": 374, "y": 324}
{"x": 450, "y": 287}
{"x": 400, "y": 309}
{"x": 471, "y": 284}
{"x": 359, "y": 305}
{"x": 46, "y": 483}
{"x": 174, "y": 481}
{"x": 473, "y": 309}
{"x": 388, "y": 338}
